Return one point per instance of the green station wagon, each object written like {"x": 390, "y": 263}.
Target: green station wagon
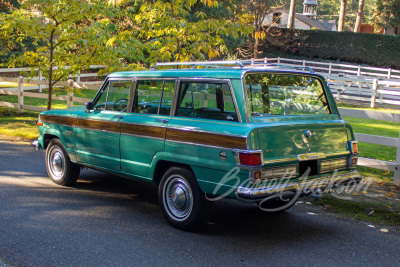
{"x": 264, "y": 134}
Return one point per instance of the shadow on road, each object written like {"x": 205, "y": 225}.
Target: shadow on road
{"x": 229, "y": 218}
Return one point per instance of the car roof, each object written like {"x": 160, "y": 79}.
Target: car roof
{"x": 218, "y": 73}
{"x": 211, "y": 69}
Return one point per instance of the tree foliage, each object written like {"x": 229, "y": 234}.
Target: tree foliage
{"x": 69, "y": 35}
{"x": 387, "y": 13}
{"x": 66, "y": 35}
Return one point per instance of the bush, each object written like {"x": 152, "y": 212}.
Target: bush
{"x": 361, "y": 48}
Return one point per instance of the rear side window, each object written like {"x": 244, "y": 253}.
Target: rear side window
{"x": 206, "y": 100}
{"x": 153, "y": 97}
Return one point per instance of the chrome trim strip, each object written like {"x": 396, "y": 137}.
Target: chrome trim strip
{"x": 235, "y": 102}
{"x": 293, "y": 72}
{"x": 279, "y": 160}
{"x": 331, "y": 154}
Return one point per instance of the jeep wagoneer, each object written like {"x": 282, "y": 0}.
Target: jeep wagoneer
{"x": 201, "y": 131}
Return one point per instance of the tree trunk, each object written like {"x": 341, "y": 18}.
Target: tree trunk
{"x": 50, "y": 93}
{"x": 292, "y": 12}
{"x": 255, "y": 47}
{"x": 359, "y": 16}
{"x": 342, "y": 15}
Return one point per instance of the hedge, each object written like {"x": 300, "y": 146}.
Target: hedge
{"x": 361, "y": 48}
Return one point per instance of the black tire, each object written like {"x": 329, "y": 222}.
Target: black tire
{"x": 181, "y": 199}
{"x": 58, "y": 164}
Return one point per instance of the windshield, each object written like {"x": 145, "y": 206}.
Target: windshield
{"x": 284, "y": 94}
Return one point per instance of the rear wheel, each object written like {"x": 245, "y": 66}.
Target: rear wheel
{"x": 58, "y": 164}
{"x": 181, "y": 200}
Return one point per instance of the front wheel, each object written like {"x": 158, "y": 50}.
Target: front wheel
{"x": 181, "y": 200}
{"x": 59, "y": 166}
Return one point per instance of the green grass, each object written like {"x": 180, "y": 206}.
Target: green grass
{"x": 20, "y": 125}
{"x": 375, "y": 127}
{"x": 386, "y": 108}
{"x": 361, "y": 210}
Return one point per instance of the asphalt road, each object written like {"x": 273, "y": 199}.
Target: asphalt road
{"x": 108, "y": 221}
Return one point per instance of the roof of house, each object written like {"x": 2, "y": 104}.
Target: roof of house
{"x": 326, "y": 25}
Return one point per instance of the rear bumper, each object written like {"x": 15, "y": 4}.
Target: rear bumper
{"x": 284, "y": 187}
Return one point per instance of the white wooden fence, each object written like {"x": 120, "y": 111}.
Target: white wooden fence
{"x": 352, "y": 82}
{"x": 379, "y": 140}
{"x": 329, "y": 68}
{"x": 38, "y": 84}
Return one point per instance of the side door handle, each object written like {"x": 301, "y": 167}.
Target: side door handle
{"x": 164, "y": 121}
{"x": 119, "y": 116}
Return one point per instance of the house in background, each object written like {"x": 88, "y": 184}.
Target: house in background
{"x": 304, "y": 21}
{"x": 368, "y": 28}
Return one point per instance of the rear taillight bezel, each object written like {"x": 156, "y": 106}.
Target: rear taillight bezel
{"x": 353, "y": 147}
{"x": 242, "y": 158}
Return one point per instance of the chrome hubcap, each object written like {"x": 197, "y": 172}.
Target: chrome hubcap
{"x": 178, "y": 199}
{"x": 56, "y": 162}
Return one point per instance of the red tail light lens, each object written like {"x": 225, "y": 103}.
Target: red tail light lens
{"x": 253, "y": 159}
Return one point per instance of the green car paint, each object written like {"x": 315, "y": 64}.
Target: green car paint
{"x": 135, "y": 145}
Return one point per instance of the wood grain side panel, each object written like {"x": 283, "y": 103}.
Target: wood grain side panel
{"x": 109, "y": 126}
{"x": 152, "y": 131}
{"x": 210, "y": 139}
{"x": 58, "y": 120}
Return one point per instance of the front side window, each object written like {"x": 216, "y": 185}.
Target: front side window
{"x": 114, "y": 96}
{"x": 206, "y": 100}
{"x": 284, "y": 94}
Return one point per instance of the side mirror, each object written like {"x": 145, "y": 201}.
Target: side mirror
{"x": 89, "y": 106}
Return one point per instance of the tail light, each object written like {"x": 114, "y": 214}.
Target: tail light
{"x": 248, "y": 157}
{"x": 353, "y": 145}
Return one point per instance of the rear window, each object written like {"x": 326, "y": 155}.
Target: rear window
{"x": 284, "y": 94}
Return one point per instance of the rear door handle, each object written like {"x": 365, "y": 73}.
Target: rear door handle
{"x": 164, "y": 121}
{"x": 119, "y": 116}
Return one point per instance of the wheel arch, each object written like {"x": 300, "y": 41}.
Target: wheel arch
{"x": 47, "y": 139}
{"x": 163, "y": 165}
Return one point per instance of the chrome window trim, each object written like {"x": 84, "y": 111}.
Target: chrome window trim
{"x": 163, "y": 79}
{"x": 107, "y": 83}
{"x": 211, "y": 80}
{"x": 319, "y": 78}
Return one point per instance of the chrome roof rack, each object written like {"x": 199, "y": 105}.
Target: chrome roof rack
{"x": 194, "y": 64}
{"x": 241, "y": 64}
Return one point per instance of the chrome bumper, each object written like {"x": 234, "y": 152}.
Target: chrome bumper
{"x": 306, "y": 186}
